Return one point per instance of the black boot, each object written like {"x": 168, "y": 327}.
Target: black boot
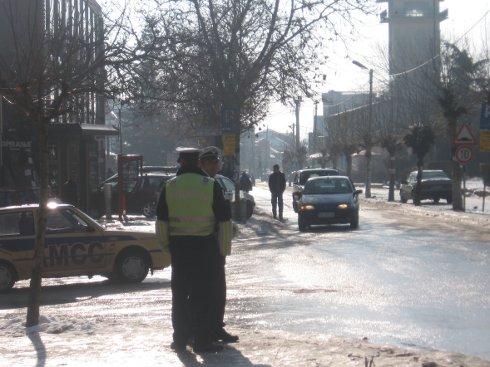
{"x": 225, "y": 337}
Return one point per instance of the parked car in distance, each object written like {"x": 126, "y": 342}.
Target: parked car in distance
{"x": 301, "y": 176}
{"x": 435, "y": 185}
{"x": 75, "y": 245}
{"x": 328, "y": 200}
{"x": 229, "y": 192}
{"x": 141, "y": 195}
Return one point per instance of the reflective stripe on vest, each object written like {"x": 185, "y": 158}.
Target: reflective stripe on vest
{"x": 190, "y": 205}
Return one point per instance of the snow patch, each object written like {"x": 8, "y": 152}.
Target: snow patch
{"x": 16, "y": 326}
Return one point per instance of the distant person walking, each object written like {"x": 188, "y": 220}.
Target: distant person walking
{"x": 277, "y": 185}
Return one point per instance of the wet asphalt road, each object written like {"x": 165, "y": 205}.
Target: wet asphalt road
{"x": 409, "y": 281}
{"x": 397, "y": 280}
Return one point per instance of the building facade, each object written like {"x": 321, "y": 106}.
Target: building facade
{"x": 414, "y": 32}
{"x": 77, "y": 148}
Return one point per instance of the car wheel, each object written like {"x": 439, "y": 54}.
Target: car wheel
{"x": 436, "y": 200}
{"x": 7, "y": 276}
{"x": 149, "y": 210}
{"x": 132, "y": 266}
{"x": 403, "y": 199}
{"x": 302, "y": 225}
{"x": 354, "y": 224}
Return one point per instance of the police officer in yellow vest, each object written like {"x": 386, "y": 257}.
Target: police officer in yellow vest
{"x": 189, "y": 209}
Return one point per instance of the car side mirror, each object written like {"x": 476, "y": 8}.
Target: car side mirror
{"x": 358, "y": 192}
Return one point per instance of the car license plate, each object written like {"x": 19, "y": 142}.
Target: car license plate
{"x": 326, "y": 215}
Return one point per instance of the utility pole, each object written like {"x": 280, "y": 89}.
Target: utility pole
{"x": 370, "y": 126}
{"x": 315, "y": 143}
{"x": 297, "y": 102}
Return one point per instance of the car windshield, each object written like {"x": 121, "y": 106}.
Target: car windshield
{"x": 330, "y": 185}
{"x": 433, "y": 174}
{"x": 304, "y": 176}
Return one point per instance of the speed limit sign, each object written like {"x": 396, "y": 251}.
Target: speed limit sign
{"x": 464, "y": 154}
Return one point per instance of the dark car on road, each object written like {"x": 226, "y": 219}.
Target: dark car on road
{"x": 435, "y": 185}
{"x": 140, "y": 196}
{"x": 328, "y": 200}
{"x": 300, "y": 178}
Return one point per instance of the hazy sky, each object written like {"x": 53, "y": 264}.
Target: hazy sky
{"x": 370, "y": 36}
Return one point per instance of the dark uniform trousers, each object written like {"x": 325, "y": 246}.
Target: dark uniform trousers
{"x": 221, "y": 292}
{"x": 195, "y": 264}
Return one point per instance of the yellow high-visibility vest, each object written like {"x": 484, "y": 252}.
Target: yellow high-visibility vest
{"x": 190, "y": 205}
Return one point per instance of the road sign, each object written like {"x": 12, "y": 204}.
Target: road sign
{"x": 465, "y": 135}
{"x": 464, "y": 154}
{"x": 485, "y": 127}
{"x": 229, "y": 144}
{"x": 485, "y": 140}
{"x": 485, "y": 116}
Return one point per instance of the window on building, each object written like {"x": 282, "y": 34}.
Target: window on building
{"x": 417, "y": 8}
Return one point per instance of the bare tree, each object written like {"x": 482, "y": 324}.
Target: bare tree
{"x": 420, "y": 139}
{"x": 462, "y": 86}
{"x": 59, "y": 61}
{"x": 391, "y": 129}
{"x": 238, "y": 55}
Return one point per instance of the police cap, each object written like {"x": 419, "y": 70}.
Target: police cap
{"x": 187, "y": 153}
{"x": 211, "y": 153}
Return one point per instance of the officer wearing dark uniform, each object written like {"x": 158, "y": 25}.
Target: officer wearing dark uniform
{"x": 189, "y": 209}
{"x": 209, "y": 161}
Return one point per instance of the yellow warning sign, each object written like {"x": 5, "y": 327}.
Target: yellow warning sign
{"x": 485, "y": 140}
{"x": 229, "y": 144}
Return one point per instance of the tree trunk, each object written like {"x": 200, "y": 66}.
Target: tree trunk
{"x": 391, "y": 192}
{"x": 34, "y": 299}
{"x": 418, "y": 185}
{"x": 368, "y": 172}
{"x": 456, "y": 168}
{"x": 348, "y": 158}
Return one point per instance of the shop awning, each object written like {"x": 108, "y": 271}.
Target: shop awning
{"x": 81, "y": 130}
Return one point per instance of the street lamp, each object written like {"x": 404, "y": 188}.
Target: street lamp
{"x": 370, "y": 124}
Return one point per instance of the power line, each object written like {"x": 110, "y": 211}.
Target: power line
{"x": 439, "y": 54}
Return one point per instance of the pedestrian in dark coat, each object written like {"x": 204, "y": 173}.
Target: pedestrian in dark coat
{"x": 277, "y": 185}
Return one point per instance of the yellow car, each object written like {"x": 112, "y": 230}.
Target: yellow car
{"x": 75, "y": 245}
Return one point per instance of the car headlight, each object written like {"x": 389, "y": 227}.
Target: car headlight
{"x": 342, "y": 206}
{"x": 307, "y": 207}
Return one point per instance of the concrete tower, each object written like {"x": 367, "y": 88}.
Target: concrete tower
{"x": 414, "y": 32}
